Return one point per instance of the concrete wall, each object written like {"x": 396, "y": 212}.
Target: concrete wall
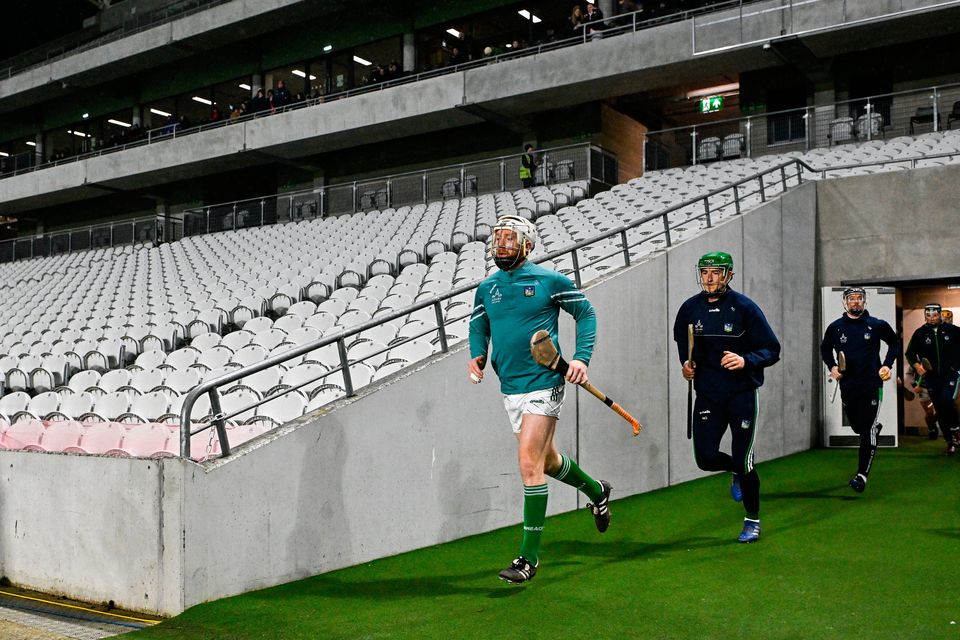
{"x": 896, "y": 224}
{"x": 423, "y": 458}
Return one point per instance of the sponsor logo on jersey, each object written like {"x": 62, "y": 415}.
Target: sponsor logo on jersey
{"x": 728, "y": 328}
{"x": 529, "y": 291}
{"x": 745, "y": 424}
{"x": 843, "y": 338}
{"x": 705, "y": 412}
{"x": 698, "y": 328}
{"x": 495, "y": 294}
{"x": 928, "y": 341}
{"x": 536, "y": 401}
{"x": 713, "y": 310}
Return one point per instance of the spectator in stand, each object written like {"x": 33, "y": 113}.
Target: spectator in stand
{"x": 215, "y": 115}
{"x": 576, "y": 19}
{"x": 281, "y": 95}
{"x": 593, "y": 19}
{"x": 625, "y": 7}
{"x": 259, "y": 102}
{"x": 393, "y": 70}
{"x": 299, "y": 97}
{"x": 237, "y": 112}
{"x": 271, "y": 105}
{"x": 456, "y": 57}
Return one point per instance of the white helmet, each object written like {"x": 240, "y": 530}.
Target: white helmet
{"x": 526, "y": 233}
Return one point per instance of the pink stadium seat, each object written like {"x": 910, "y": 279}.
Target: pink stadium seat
{"x": 25, "y": 434}
{"x": 62, "y": 436}
{"x": 151, "y": 441}
{"x": 104, "y": 438}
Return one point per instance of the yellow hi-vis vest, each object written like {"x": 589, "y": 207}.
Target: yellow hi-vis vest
{"x": 525, "y": 171}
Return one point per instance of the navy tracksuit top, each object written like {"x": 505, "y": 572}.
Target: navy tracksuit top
{"x": 859, "y": 339}
{"x": 733, "y": 323}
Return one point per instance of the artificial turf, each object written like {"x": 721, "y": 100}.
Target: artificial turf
{"x": 830, "y": 564}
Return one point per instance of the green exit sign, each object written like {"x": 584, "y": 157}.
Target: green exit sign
{"x": 711, "y": 104}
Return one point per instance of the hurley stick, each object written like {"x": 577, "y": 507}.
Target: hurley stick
{"x": 690, "y": 383}
{"x": 545, "y": 353}
{"x": 841, "y": 366}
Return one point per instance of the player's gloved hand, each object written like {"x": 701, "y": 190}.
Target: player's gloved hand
{"x": 884, "y": 373}
{"x": 689, "y": 370}
{"x": 919, "y": 368}
{"x": 576, "y": 372}
{"x": 835, "y": 373}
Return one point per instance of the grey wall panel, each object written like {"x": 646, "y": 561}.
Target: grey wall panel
{"x": 892, "y": 224}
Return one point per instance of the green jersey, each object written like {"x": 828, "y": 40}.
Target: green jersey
{"x": 510, "y": 306}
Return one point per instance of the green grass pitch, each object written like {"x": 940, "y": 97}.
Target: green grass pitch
{"x": 830, "y": 564}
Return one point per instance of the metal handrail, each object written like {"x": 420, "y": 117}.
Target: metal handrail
{"x": 541, "y": 153}
{"x": 210, "y": 387}
{"x": 161, "y": 133}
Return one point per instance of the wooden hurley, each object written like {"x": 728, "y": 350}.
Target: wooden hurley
{"x": 545, "y": 353}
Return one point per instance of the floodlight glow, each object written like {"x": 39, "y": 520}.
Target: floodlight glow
{"x": 360, "y": 60}
{"x": 244, "y": 86}
{"x": 157, "y": 112}
{"x": 455, "y": 33}
{"x": 328, "y": 48}
{"x": 31, "y": 143}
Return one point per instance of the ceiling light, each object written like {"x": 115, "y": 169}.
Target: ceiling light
{"x": 160, "y": 113}
{"x": 297, "y": 72}
{"x": 360, "y": 60}
{"x": 4, "y": 154}
{"x": 455, "y": 33}
{"x": 244, "y": 86}
{"x": 119, "y": 123}
{"x": 714, "y": 91}
{"x": 535, "y": 19}
{"x": 202, "y": 100}
{"x": 79, "y": 134}
{"x": 508, "y": 45}
{"x": 31, "y": 143}
{"x": 524, "y": 13}
{"x": 85, "y": 116}
{"x": 328, "y": 48}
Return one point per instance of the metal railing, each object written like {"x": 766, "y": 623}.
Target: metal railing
{"x": 739, "y": 11}
{"x": 132, "y": 231}
{"x": 878, "y": 117}
{"x": 577, "y": 162}
{"x": 626, "y": 23}
{"x": 742, "y": 193}
{"x": 763, "y": 21}
{"x": 130, "y": 26}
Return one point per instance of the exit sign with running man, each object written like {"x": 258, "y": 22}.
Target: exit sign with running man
{"x": 711, "y": 104}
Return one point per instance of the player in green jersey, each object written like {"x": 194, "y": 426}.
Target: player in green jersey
{"x": 509, "y": 307}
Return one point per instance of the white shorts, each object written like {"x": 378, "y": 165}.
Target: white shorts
{"x": 546, "y": 402}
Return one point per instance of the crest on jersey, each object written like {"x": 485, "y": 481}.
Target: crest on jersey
{"x": 843, "y": 338}
{"x": 866, "y": 336}
{"x": 529, "y": 291}
{"x": 745, "y": 424}
{"x": 728, "y": 328}
{"x": 698, "y": 327}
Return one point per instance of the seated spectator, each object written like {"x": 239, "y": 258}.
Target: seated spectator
{"x": 215, "y": 115}
{"x": 456, "y": 57}
{"x": 281, "y": 95}
{"x": 576, "y": 19}
{"x": 593, "y": 19}
{"x": 259, "y": 102}
{"x": 299, "y": 97}
{"x": 393, "y": 70}
{"x": 625, "y": 7}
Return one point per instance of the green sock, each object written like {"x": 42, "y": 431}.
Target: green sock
{"x": 576, "y": 477}
{"x": 534, "y": 513}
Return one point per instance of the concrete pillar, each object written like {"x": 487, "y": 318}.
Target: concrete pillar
{"x": 823, "y": 113}
{"x": 135, "y": 116}
{"x": 38, "y": 150}
{"x": 606, "y": 7}
{"x": 409, "y": 53}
